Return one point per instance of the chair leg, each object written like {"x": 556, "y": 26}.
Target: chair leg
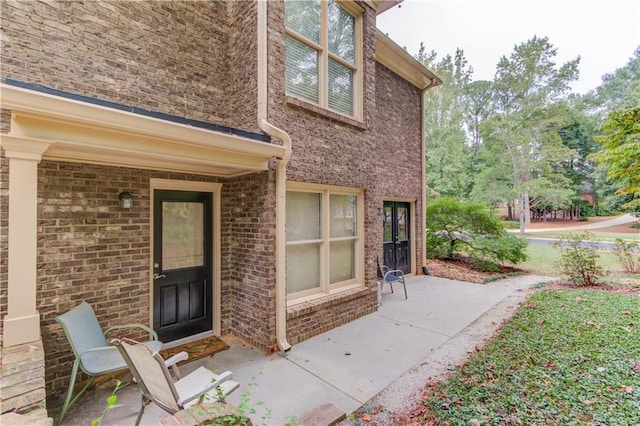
{"x": 69, "y": 401}
{"x": 391, "y": 285}
{"x": 405, "y": 290}
{"x": 143, "y": 405}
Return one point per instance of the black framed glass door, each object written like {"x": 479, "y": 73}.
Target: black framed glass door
{"x": 182, "y": 263}
{"x": 396, "y": 235}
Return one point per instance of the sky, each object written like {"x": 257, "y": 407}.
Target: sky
{"x": 603, "y": 33}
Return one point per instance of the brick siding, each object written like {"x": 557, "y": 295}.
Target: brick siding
{"x": 381, "y": 155}
{"x": 90, "y": 249}
{"x": 169, "y": 57}
{"x": 249, "y": 258}
{"x": 195, "y": 59}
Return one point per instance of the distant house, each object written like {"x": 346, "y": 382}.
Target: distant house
{"x": 204, "y": 167}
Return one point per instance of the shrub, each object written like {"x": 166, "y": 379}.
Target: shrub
{"x": 511, "y": 224}
{"x": 628, "y": 254}
{"x": 579, "y": 259}
{"x": 455, "y": 226}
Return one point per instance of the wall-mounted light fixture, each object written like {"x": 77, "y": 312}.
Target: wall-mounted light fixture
{"x": 126, "y": 200}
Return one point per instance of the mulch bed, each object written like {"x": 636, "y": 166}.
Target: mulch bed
{"x": 461, "y": 268}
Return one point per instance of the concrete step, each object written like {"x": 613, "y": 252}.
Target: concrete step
{"x": 322, "y": 415}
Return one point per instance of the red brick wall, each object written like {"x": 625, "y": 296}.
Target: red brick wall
{"x": 91, "y": 249}
{"x": 195, "y": 59}
{"x": 398, "y": 146}
{"x": 249, "y": 258}
{"x": 169, "y": 57}
{"x": 381, "y": 155}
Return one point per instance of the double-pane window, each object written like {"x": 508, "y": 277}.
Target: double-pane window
{"x": 323, "y": 240}
{"x": 322, "y": 62}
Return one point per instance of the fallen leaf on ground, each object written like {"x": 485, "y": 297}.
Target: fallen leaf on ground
{"x": 636, "y": 368}
{"x": 366, "y": 418}
{"x": 596, "y": 325}
{"x": 627, "y": 389}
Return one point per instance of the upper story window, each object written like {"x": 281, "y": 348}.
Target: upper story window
{"x": 323, "y": 54}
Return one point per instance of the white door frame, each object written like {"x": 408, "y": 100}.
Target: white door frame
{"x": 215, "y": 189}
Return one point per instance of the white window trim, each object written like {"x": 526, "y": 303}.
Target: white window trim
{"x": 324, "y": 55}
{"x": 326, "y": 288}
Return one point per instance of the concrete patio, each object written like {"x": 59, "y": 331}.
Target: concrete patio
{"x": 347, "y": 366}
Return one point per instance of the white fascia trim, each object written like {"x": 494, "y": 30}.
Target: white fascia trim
{"x": 82, "y": 131}
{"x": 398, "y": 60}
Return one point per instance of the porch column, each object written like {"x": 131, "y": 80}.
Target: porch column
{"x": 22, "y": 322}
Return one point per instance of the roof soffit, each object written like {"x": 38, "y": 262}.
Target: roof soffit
{"x": 389, "y": 54}
{"x": 83, "y": 132}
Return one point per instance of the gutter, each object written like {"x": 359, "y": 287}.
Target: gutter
{"x": 423, "y": 132}
{"x": 281, "y": 179}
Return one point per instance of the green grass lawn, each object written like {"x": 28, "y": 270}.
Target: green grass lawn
{"x": 542, "y": 260}
{"x": 568, "y": 357}
{"x": 597, "y": 235}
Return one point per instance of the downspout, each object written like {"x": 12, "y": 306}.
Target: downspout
{"x": 281, "y": 179}
{"x": 423, "y": 131}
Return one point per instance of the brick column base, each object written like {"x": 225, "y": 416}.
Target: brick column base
{"x": 22, "y": 381}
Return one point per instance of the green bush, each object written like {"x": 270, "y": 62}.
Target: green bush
{"x": 628, "y": 254}
{"x": 511, "y": 224}
{"x": 579, "y": 259}
{"x": 455, "y": 226}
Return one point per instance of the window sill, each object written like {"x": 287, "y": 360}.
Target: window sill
{"x": 324, "y": 301}
{"x": 295, "y": 102}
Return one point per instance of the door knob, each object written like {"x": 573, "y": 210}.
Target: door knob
{"x": 158, "y": 276}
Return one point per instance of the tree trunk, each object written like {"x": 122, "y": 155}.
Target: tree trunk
{"x": 521, "y": 208}
{"x": 527, "y": 216}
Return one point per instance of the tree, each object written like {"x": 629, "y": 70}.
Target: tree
{"x": 619, "y": 89}
{"x": 477, "y": 101}
{"x": 620, "y": 143}
{"x": 524, "y": 125}
{"x": 455, "y": 226}
{"x": 577, "y": 134}
{"x": 448, "y": 159}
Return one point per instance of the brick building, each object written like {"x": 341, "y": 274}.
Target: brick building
{"x": 271, "y": 150}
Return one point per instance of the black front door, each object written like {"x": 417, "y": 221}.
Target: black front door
{"x": 182, "y": 263}
{"x": 396, "y": 226}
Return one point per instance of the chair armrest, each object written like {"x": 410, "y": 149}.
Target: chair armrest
{"x": 100, "y": 349}
{"x": 149, "y": 330}
{"x": 221, "y": 378}
{"x": 172, "y": 363}
{"x": 393, "y": 272}
{"x": 173, "y": 360}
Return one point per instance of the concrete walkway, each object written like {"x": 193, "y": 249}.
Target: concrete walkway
{"x": 349, "y": 365}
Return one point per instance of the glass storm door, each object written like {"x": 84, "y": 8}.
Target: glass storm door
{"x": 182, "y": 257}
{"x": 396, "y": 235}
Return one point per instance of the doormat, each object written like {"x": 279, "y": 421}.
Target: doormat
{"x": 197, "y": 349}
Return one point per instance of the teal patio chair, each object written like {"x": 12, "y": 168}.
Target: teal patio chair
{"x": 93, "y": 354}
